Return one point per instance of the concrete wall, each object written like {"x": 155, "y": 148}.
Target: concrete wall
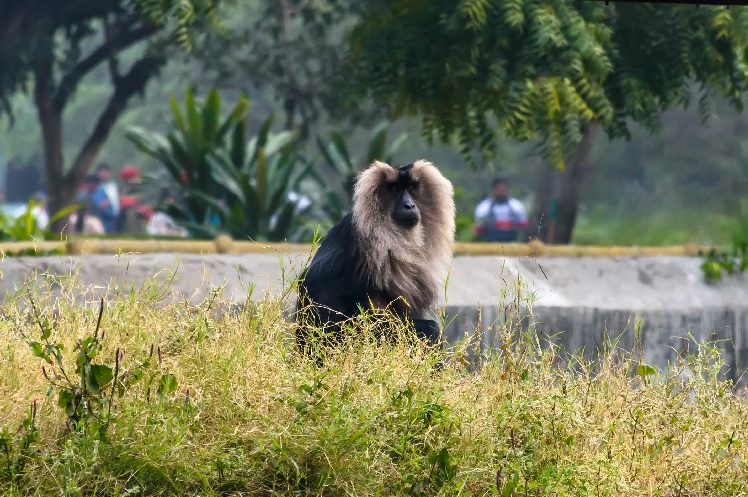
{"x": 576, "y": 301}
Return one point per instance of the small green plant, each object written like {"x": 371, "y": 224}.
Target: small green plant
{"x": 16, "y": 449}
{"x": 197, "y": 131}
{"x": 87, "y": 393}
{"x": 23, "y": 228}
{"x": 26, "y": 227}
{"x": 719, "y": 262}
{"x": 425, "y": 431}
{"x": 258, "y": 177}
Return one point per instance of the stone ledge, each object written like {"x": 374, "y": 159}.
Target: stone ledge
{"x": 575, "y": 300}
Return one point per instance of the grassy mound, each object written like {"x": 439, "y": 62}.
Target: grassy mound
{"x": 170, "y": 398}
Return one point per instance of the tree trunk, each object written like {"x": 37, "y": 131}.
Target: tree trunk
{"x": 62, "y": 186}
{"x": 557, "y": 199}
{"x": 59, "y": 193}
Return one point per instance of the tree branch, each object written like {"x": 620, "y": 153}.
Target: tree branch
{"x": 125, "y": 87}
{"x": 111, "y": 56}
{"x": 118, "y": 42}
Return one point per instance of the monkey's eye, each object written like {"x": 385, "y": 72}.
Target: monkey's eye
{"x": 412, "y": 187}
{"x": 394, "y": 188}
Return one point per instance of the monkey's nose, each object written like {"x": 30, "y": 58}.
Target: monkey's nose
{"x": 409, "y": 206}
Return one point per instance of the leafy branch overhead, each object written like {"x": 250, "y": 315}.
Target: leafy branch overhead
{"x": 535, "y": 70}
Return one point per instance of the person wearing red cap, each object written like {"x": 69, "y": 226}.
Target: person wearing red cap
{"x": 133, "y": 214}
{"x": 130, "y": 175}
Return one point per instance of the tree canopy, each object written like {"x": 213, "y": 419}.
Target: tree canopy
{"x": 529, "y": 70}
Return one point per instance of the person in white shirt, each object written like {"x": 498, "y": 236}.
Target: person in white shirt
{"x": 39, "y": 211}
{"x": 500, "y": 217}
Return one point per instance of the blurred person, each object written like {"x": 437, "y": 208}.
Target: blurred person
{"x": 105, "y": 198}
{"x": 83, "y": 220}
{"x": 161, "y": 223}
{"x": 500, "y": 217}
{"x": 133, "y": 214}
{"x": 39, "y": 211}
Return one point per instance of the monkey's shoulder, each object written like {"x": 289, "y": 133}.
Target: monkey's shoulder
{"x": 337, "y": 256}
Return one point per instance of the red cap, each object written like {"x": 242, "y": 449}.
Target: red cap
{"x": 130, "y": 174}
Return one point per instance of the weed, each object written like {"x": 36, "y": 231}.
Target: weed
{"x": 86, "y": 394}
{"x": 17, "y": 448}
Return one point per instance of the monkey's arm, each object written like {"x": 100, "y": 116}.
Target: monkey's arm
{"x": 330, "y": 281}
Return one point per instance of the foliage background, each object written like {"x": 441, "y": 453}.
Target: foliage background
{"x": 680, "y": 185}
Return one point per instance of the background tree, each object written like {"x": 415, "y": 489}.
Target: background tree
{"x": 546, "y": 71}
{"x": 49, "y": 47}
{"x": 292, "y": 51}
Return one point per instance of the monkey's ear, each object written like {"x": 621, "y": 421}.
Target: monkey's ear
{"x": 378, "y": 163}
{"x": 371, "y": 178}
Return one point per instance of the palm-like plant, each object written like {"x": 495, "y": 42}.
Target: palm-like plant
{"x": 258, "y": 177}
{"x": 229, "y": 184}
{"x": 196, "y": 133}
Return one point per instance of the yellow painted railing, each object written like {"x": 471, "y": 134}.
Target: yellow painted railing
{"x": 225, "y": 245}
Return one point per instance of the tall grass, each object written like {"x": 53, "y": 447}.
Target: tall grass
{"x": 246, "y": 414}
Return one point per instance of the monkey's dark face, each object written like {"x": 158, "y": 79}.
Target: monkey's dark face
{"x": 403, "y": 192}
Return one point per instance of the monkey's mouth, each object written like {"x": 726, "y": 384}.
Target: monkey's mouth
{"x": 407, "y": 221}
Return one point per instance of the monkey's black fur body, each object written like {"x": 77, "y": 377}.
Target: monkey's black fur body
{"x": 332, "y": 289}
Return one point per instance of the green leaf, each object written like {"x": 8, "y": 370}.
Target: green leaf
{"x": 376, "y": 146}
{"x": 260, "y": 141}
{"x": 341, "y": 148}
{"x": 644, "y": 370}
{"x": 277, "y": 141}
{"x": 237, "y": 114}
{"x": 194, "y": 133}
{"x": 227, "y": 175}
{"x": 211, "y": 112}
{"x": 37, "y": 349}
{"x": 261, "y": 184}
{"x": 64, "y": 212}
{"x": 92, "y": 386}
{"x": 65, "y": 400}
{"x": 176, "y": 112}
{"x": 102, "y": 374}
{"x": 166, "y": 385}
{"x": 282, "y": 223}
{"x": 238, "y": 150}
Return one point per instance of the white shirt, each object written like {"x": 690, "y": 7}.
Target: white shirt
{"x": 511, "y": 210}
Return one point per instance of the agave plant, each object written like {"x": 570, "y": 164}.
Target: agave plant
{"x": 196, "y": 133}
{"x": 339, "y": 158}
{"x": 229, "y": 184}
{"x": 259, "y": 176}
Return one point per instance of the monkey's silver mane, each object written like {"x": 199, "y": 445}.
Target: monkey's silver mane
{"x": 408, "y": 262}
